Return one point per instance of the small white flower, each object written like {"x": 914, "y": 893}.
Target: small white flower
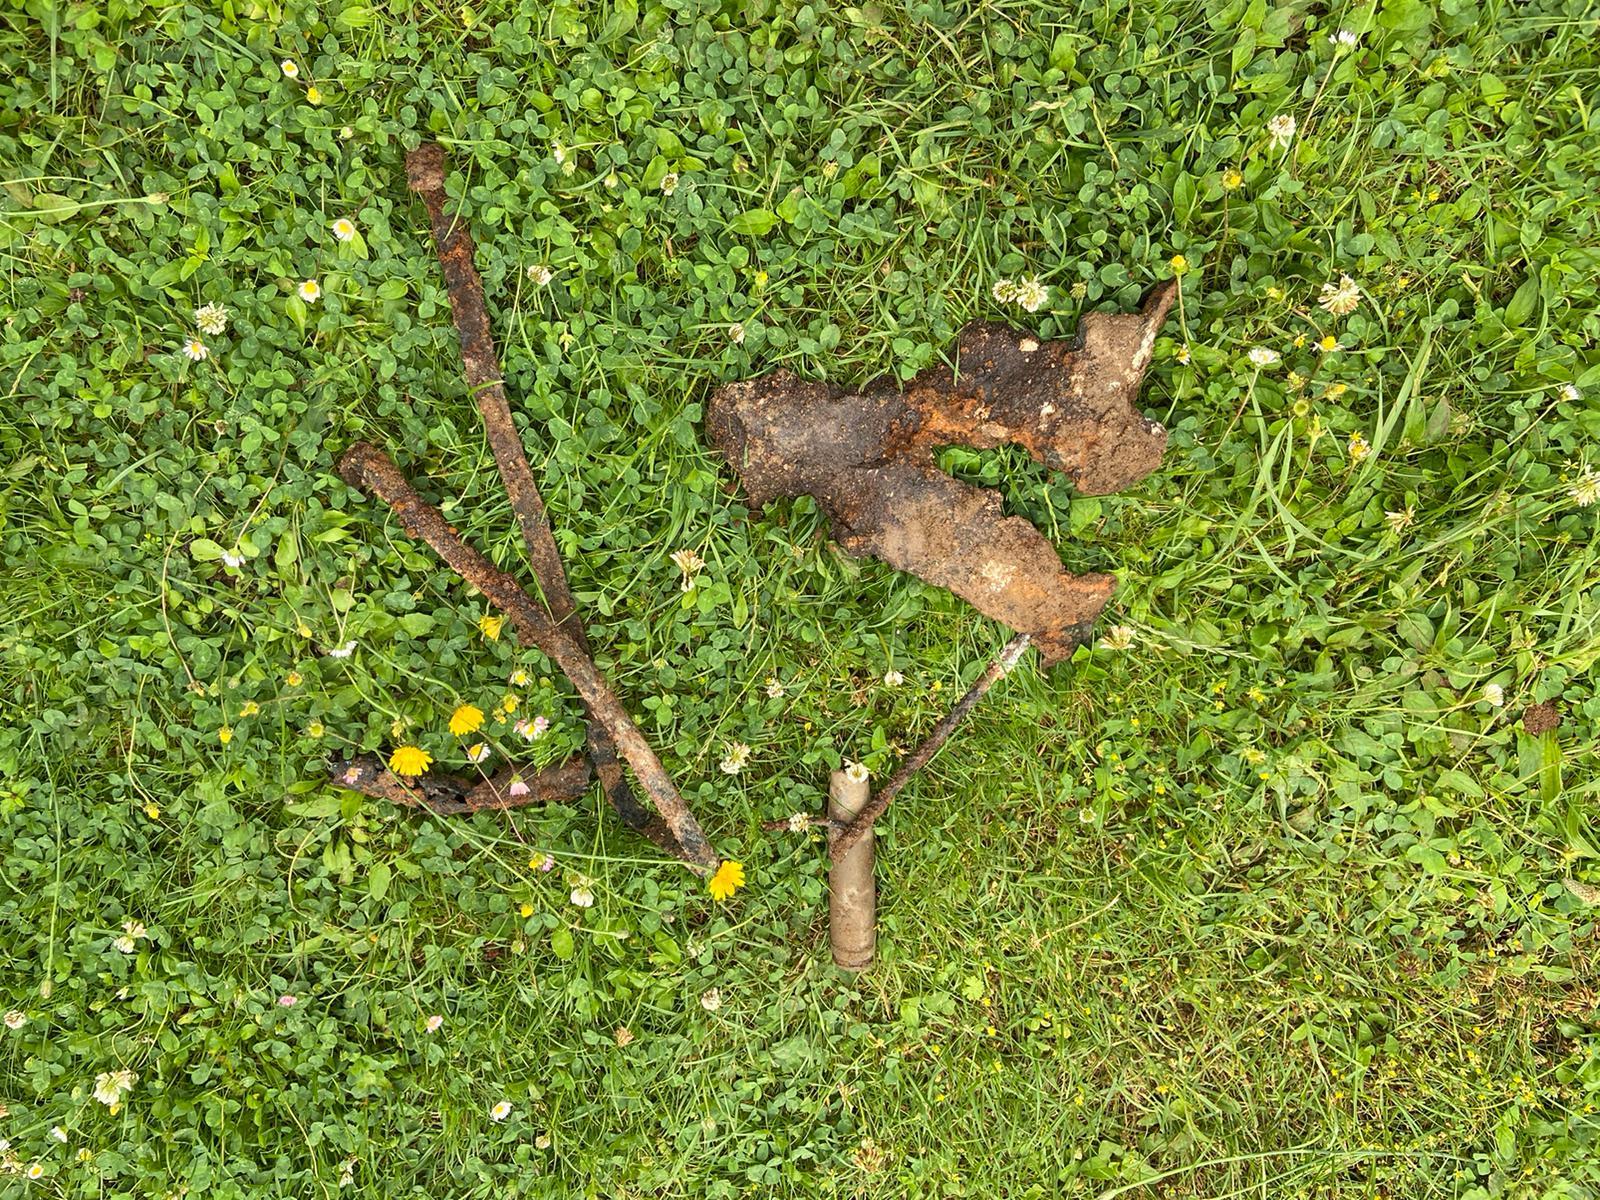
{"x": 16, "y": 1019}
{"x": 211, "y": 318}
{"x": 533, "y": 729}
{"x": 346, "y": 132}
{"x": 799, "y": 822}
{"x": 1004, "y": 291}
{"x": 290, "y": 68}
{"x": 1344, "y": 40}
{"x": 893, "y": 678}
{"x": 135, "y": 929}
{"x": 540, "y": 274}
{"x": 1280, "y": 130}
{"x": 434, "y": 1023}
{"x": 347, "y": 1172}
{"x": 711, "y": 999}
{"x": 582, "y": 896}
{"x": 195, "y": 350}
{"x": 689, "y": 563}
{"x": 736, "y": 333}
{"x": 1262, "y": 356}
{"x": 59, "y": 1134}
{"x": 344, "y": 651}
{"x": 35, "y": 1171}
{"x": 734, "y": 758}
{"x": 500, "y": 1111}
{"x": 344, "y": 229}
{"x": 111, "y": 1086}
{"x": 1494, "y": 695}
{"x": 775, "y": 689}
{"x": 519, "y": 677}
{"x": 669, "y": 183}
{"x": 232, "y": 558}
{"x": 1342, "y": 298}
{"x": 542, "y": 1142}
{"x": 1586, "y": 490}
{"x": 855, "y": 772}
{"x": 1572, "y": 392}
{"x": 477, "y": 752}
{"x": 1118, "y": 637}
{"x": 125, "y": 944}
{"x": 310, "y": 291}
{"x": 1358, "y": 447}
{"x": 1183, "y": 354}
{"x": 1401, "y": 520}
{"x": 1032, "y": 294}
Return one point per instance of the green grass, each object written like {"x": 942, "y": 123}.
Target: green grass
{"x": 1272, "y": 903}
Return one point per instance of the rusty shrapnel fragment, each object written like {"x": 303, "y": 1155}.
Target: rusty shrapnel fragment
{"x": 867, "y": 457}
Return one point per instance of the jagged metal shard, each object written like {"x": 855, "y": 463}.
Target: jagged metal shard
{"x": 867, "y": 457}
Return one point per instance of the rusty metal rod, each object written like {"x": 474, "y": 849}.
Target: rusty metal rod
{"x": 844, "y": 838}
{"x": 481, "y": 368}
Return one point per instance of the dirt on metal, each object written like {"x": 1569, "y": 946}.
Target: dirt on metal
{"x": 868, "y": 458}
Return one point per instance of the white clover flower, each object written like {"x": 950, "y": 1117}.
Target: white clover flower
{"x": 434, "y": 1023}
{"x": 1032, "y": 294}
{"x": 689, "y": 563}
{"x": 734, "y": 758}
{"x": 711, "y": 999}
{"x": 347, "y": 1172}
{"x": 540, "y": 274}
{"x": 1401, "y": 520}
{"x": 195, "y": 350}
{"x": 310, "y": 291}
{"x": 1280, "y": 131}
{"x": 775, "y": 688}
{"x": 736, "y": 333}
{"x": 15, "y": 1019}
{"x": 500, "y": 1111}
{"x": 893, "y": 678}
{"x": 212, "y": 319}
{"x": 669, "y": 183}
{"x": 135, "y": 929}
{"x": 344, "y": 229}
{"x": 125, "y": 944}
{"x": 1586, "y": 489}
{"x": 59, "y": 1134}
{"x": 1494, "y": 695}
{"x": 582, "y": 896}
{"x": 1341, "y": 298}
{"x": 1263, "y": 356}
{"x": 1118, "y": 637}
{"x": 344, "y": 651}
{"x": 1004, "y": 291}
{"x": 232, "y": 558}
{"x": 799, "y": 822}
{"x": 111, "y": 1086}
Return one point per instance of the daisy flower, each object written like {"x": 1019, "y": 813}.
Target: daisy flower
{"x": 310, "y": 291}
{"x": 1344, "y": 40}
{"x": 195, "y": 350}
{"x": 856, "y": 772}
{"x": 500, "y": 1111}
{"x": 477, "y": 752}
{"x": 290, "y": 68}
{"x": 1358, "y": 447}
{"x": 344, "y": 229}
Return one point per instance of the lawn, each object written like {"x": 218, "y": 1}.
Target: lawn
{"x": 1283, "y": 886}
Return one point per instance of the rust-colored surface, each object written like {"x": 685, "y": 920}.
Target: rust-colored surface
{"x": 451, "y": 795}
{"x": 868, "y": 459}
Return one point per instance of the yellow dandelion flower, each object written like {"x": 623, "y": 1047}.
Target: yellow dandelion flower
{"x": 249, "y": 709}
{"x": 153, "y": 811}
{"x": 313, "y": 94}
{"x": 225, "y": 734}
{"x": 526, "y": 910}
{"x": 294, "y": 679}
{"x": 410, "y": 761}
{"x": 1178, "y": 263}
{"x": 466, "y": 719}
{"x": 728, "y": 880}
{"x": 490, "y": 626}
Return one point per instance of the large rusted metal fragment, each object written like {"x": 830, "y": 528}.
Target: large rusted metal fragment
{"x": 868, "y": 459}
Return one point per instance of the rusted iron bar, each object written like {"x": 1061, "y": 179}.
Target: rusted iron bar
{"x": 369, "y": 469}
{"x": 844, "y": 838}
{"x": 481, "y": 368}
{"x": 451, "y": 795}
